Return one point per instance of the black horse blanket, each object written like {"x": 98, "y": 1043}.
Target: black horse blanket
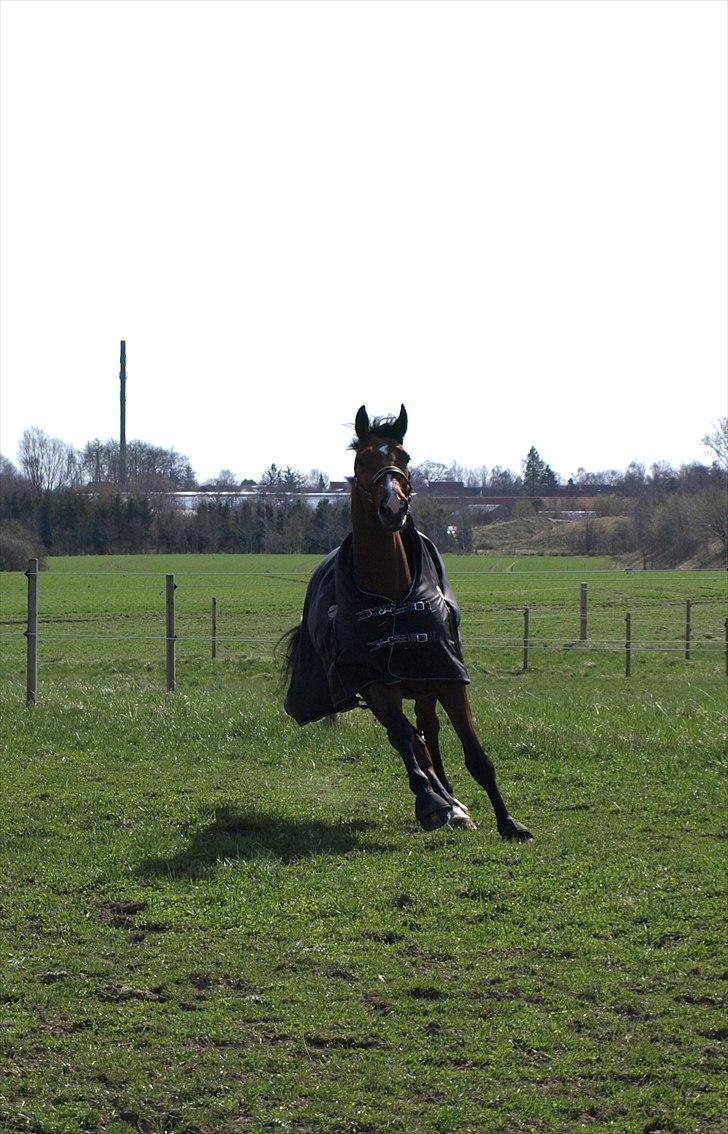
{"x": 349, "y": 638}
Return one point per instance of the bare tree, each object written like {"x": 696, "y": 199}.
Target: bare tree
{"x": 47, "y": 462}
{"x": 635, "y": 478}
{"x": 718, "y": 442}
{"x": 477, "y": 478}
{"x": 8, "y": 470}
{"x": 318, "y": 480}
{"x": 100, "y": 461}
{"x": 429, "y": 472}
{"x": 610, "y": 478}
{"x": 225, "y": 480}
{"x": 502, "y": 481}
{"x": 148, "y": 467}
{"x": 713, "y": 513}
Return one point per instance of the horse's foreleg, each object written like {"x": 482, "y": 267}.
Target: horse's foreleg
{"x": 457, "y": 706}
{"x": 459, "y": 815}
{"x": 431, "y": 809}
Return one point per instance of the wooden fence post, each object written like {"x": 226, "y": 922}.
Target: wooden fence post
{"x": 584, "y": 605}
{"x": 688, "y": 628}
{"x": 31, "y": 635}
{"x": 171, "y": 636}
{"x": 214, "y": 628}
{"x": 526, "y": 619}
{"x": 628, "y": 645}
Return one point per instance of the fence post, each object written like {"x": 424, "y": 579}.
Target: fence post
{"x": 214, "y": 628}
{"x": 726, "y": 647}
{"x": 526, "y": 619}
{"x": 688, "y": 628}
{"x": 171, "y": 636}
{"x": 628, "y": 645}
{"x": 31, "y": 635}
{"x": 583, "y": 629}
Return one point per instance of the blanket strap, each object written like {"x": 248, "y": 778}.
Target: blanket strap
{"x": 382, "y": 611}
{"x": 399, "y": 640}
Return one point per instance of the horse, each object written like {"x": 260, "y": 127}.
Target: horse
{"x": 380, "y": 625}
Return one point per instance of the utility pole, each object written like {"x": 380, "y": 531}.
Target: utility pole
{"x": 122, "y": 427}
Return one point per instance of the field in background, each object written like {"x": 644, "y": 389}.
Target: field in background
{"x": 214, "y": 922}
{"x": 109, "y": 612}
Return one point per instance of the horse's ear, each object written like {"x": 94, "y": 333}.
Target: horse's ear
{"x": 399, "y": 427}
{"x": 361, "y": 424}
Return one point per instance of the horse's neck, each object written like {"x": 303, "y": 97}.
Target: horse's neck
{"x": 381, "y": 566}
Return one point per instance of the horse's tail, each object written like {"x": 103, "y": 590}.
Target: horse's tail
{"x": 287, "y": 648}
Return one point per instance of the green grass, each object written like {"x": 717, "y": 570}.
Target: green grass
{"x": 110, "y": 611}
{"x": 215, "y": 922}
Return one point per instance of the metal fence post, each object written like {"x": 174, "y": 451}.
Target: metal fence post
{"x": 688, "y": 628}
{"x": 171, "y": 636}
{"x": 628, "y": 645}
{"x": 31, "y": 635}
{"x": 526, "y": 619}
{"x": 584, "y": 610}
{"x": 214, "y": 627}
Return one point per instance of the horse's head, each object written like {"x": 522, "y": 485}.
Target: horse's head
{"x": 380, "y": 467}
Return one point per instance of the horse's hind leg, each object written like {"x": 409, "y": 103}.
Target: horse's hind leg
{"x": 431, "y": 809}
{"x": 429, "y": 726}
{"x": 457, "y": 706}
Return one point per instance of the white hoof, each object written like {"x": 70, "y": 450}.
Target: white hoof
{"x": 458, "y": 817}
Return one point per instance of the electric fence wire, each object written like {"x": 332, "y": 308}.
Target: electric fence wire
{"x": 654, "y": 645}
{"x": 573, "y": 572}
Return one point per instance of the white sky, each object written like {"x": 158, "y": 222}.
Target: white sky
{"x": 510, "y": 216}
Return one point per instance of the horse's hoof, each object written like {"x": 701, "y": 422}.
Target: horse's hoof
{"x": 462, "y": 806}
{"x": 431, "y": 811}
{"x": 459, "y": 817}
{"x": 514, "y": 831}
{"x": 434, "y": 821}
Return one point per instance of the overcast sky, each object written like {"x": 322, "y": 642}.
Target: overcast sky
{"x": 510, "y": 216}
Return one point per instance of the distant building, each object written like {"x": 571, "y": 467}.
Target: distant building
{"x": 454, "y": 495}
{"x": 574, "y": 515}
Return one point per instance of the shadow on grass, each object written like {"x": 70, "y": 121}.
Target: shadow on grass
{"x": 234, "y": 835}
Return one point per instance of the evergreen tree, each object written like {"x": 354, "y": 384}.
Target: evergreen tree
{"x": 550, "y": 481}
{"x": 537, "y": 475}
{"x": 533, "y": 471}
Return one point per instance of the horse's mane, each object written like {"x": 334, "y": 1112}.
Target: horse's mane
{"x": 380, "y": 427}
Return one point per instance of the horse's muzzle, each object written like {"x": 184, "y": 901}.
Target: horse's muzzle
{"x": 392, "y": 523}
{"x": 393, "y": 506}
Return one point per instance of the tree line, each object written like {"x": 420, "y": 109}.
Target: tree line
{"x": 49, "y": 463}
{"x": 68, "y": 522}
{"x": 60, "y": 501}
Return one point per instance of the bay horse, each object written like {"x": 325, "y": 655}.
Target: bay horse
{"x": 380, "y": 625}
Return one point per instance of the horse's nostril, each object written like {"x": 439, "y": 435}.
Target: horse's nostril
{"x": 392, "y": 514}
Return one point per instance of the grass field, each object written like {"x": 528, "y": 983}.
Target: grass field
{"x": 214, "y": 922}
{"x": 110, "y": 612}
